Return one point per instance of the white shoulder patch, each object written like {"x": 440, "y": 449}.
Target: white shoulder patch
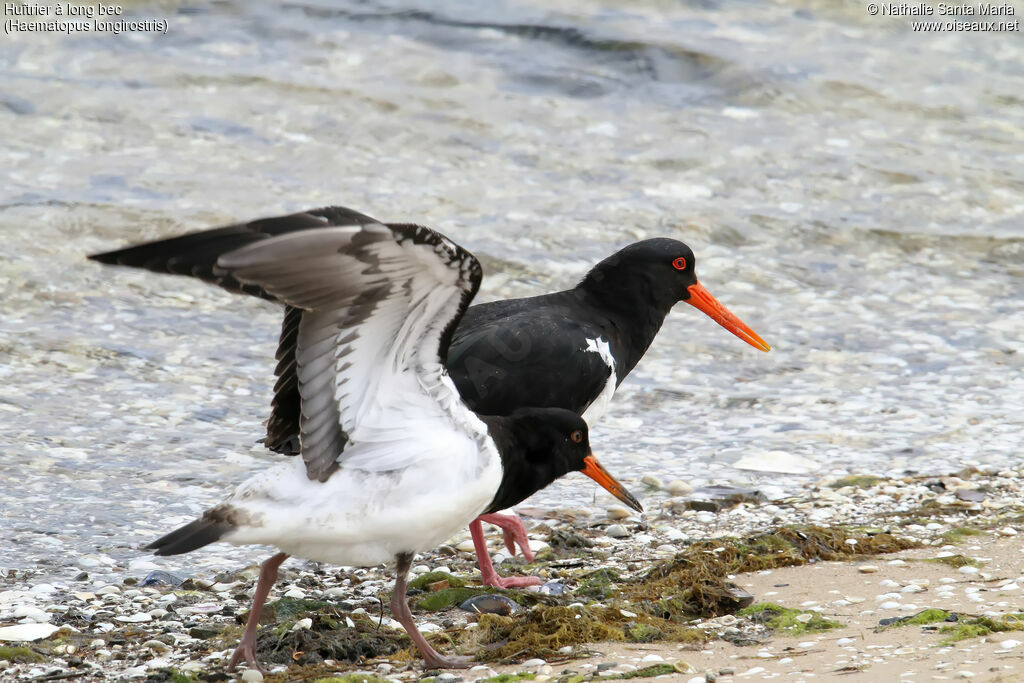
{"x": 599, "y": 406}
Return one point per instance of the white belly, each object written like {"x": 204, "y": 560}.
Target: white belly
{"x": 363, "y": 518}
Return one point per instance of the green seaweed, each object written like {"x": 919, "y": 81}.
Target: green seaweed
{"x": 449, "y": 597}
{"x": 541, "y": 631}
{"x": 599, "y": 584}
{"x": 955, "y": 561}
{"x": 423, "y": 581}
{"x": 975, "y": 627}
{"x": 779, "y": 618}
{"x": 20, "y": 655}
{"x": 860, "y": 481}
{"x": 647, "y": 672}
{"x": 928, "y": 616}
{"x": 961, "y": 533}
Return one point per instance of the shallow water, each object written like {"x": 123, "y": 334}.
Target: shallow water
{"x": 853, "y": 190}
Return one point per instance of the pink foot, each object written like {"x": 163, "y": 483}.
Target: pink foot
{"x": 510, "y": 581}
{"x": 245, "y": 651}
{"x": 514, "y": 532}
{"x": 437, "y": 661}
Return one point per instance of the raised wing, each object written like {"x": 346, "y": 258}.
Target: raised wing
{"x": 379, "y": 305}
{"x": 195, "y": 254}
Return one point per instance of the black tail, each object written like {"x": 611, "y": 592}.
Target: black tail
{"x": 203, "y": 531}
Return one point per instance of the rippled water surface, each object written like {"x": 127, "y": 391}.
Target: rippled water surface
{"x": 852, "y": 189}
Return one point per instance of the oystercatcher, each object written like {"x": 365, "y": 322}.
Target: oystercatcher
{"x": 504, "y": 354}
{"x": 393, "y": 461}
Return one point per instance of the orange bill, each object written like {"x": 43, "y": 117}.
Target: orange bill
{"x": 598, "y": 473}
{"x": 702, "y": 299}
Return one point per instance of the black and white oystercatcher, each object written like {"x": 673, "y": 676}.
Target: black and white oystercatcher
{"x": 569, "y": 349}
{"x": 392, "y": 462}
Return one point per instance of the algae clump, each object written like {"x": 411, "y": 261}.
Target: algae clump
{"x": 20, "y": 655}
{"x": 955, "y": 561}
{"x": 958, "y": 534}
{"x": 423, "y": 581}
{"x": 541, "y": 631}
{"x": 779, "y": 618}
{"x": 982, "y": 626}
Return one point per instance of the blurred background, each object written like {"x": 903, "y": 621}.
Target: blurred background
{"x": 853, "y": 190}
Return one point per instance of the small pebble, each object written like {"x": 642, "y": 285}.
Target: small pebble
{"x": 842, "y": 641}
{"x": 1008, "y": 531}
{"x": 653, "y": 658}
{"x": 252, "y": 676}
{"x": 139, "y": 618}
{"x": 1009, "y": 644}
{"x": 157, "y": 646}
{"x": 618, "y": 512}
{"x": 295, "y": 593}
{"x": 652, "y": 481}
{"x": 532, "y": 663}
{"x": 967, "y": 569}
{"x": 616, "y": 531}
{"x": 678, "y": 487}
{"x": 867, "y": 569}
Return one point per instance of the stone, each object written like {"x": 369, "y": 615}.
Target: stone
{"x": 652, "y": 481}
{"x": 678, "y": 487}
{"x": 618, "y": 512}
{"x": 23, "y": 633}
{"x": 617, "y": 531}
{"x": 252, "y": 676}
{"x": 32, "y": 614}
{"x": 867, "y": 569}
{"x": 156, "y": 646}
{"x": 139, "y": 618}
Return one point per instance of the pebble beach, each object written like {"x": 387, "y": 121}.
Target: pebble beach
{"x": 946, "y": 607}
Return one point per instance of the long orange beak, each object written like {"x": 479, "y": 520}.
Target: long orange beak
{"x": 702, "y": 299}
{"x": 598, "y": 473}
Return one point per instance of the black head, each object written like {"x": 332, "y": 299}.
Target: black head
{"x": 651, "y": 276}
{"x": 660, "y": 269}
{"x": 539, "y": 445}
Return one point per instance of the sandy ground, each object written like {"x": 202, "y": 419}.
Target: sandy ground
{"x": 859, "y": 650}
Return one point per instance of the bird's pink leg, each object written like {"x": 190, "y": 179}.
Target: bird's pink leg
{"x": 488, "y": 576}
{"x": 400, "y": 608}
{"x": 513, "y": 531}
{"x": 247, "y": 647}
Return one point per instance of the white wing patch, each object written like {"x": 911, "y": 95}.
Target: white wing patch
{"x": 376, "y": 302}
{"x": 599, "y": 406}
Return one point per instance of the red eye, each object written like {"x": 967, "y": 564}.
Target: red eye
{"x": 679, "y": 263}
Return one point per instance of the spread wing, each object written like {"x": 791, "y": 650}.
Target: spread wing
{"x": 195, "y": 254}
{"x": 379, "y": 304}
